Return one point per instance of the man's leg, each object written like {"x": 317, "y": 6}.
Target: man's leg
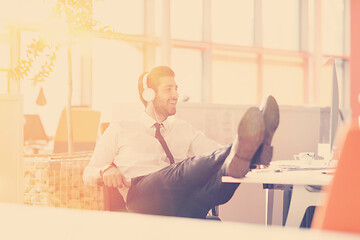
{"x": 164, "y": 192}
{"x": 214, "y": 192}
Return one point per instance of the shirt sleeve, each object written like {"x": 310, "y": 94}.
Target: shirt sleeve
{"x": 103, "y": 155}
{"x": 201, "y": 144}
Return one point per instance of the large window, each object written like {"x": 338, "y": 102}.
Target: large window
{"x": 284, "y": 79}
{"x": 3, "y": 81}
{"x": 186, "y": 19}
{"x": 4, "y": 49}
{"x": 123, "y": 15}
{"x": 187, "y": 64}
{"x": 234, "y": 78}
{"x": 116, "y": 69}
{"x": 232, "y": 21}
{"x": 34, "y": 11}
{"x": 222, "y": 51}
{"x": 327, "y": 79}
{"x": 332, "y": 18}
{"x": 55, "y": 88}
{"x": 281, "y": 24}
{"x": 4, "y": 58}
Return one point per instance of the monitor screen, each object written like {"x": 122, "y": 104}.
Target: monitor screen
{"x": 334, "y": 110}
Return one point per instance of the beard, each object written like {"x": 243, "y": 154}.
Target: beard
{"x": 165, "y": 110}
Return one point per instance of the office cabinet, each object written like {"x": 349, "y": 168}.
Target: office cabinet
{"x": 11, "y": 148}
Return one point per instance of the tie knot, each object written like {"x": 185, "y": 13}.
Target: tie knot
{"x": 157, "y": 132}
{"x": 157, "y": 125}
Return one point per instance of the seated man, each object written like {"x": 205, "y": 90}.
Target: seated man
{"x": 170, "y": 168}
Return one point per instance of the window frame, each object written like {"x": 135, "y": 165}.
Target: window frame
{"x": 150, "y": 41}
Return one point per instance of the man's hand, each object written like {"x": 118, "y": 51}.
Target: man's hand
{"x": 112, "y": 177}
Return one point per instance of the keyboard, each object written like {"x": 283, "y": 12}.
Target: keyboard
{"x": 305, "y": 168}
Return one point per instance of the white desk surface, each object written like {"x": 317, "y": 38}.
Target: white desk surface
{"x": 304, "y": 177}
{"x": 29, "y": 222}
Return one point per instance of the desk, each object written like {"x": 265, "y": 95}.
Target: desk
{"x": 297, "y": 179}
{"x": 44, "y": 223}
{"x": 38, "y": 147}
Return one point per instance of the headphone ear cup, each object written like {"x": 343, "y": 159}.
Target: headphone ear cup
{"x": 148, "y": 94}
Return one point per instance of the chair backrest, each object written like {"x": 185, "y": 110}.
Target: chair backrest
{"x": 104, "y": 126}
{"x": 85, "y": 130}
{"x": 341, "y": 211}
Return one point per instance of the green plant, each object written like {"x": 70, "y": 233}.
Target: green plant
{"x": 34, "y": 51}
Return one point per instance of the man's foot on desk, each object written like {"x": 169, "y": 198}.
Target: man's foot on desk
{"x": 270, "y": 111}
{"x": 249, "y": 136}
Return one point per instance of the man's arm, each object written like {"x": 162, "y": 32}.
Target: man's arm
{"x": 103, "y": 155}
{"x": 102, "y": 166}
{"x": 113, "y": 177}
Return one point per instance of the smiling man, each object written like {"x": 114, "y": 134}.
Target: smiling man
{"x": 164, "y": 166}
{"x": 164, "y": 104}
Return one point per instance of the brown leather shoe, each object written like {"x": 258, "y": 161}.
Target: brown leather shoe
{"x": 270, "y": 111}
{"x": 249, "y": 137}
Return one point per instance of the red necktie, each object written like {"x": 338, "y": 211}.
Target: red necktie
{"x": 161, "y": 139}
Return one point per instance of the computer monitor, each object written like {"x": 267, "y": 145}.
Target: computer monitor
{"x": 331, "y": 153}
{"x": 334, "y": 110}
{"x": 33, "y": 128}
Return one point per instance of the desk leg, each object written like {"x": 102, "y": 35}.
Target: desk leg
{"x": 269, "y": 196}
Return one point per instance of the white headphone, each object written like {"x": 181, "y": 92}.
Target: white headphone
{"x": 148, "y": 94}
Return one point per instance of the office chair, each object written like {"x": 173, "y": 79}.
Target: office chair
{"x": 34, "y": 129}
{"x": 35, "y": 137}
{"x": 341, "y": 211}
{"x": 85, "y": 130}
{"x": 114, "y": 201}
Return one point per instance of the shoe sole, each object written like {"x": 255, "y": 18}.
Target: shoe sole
{"x": 271, "y": 114}
{"x": 250, "y": 135}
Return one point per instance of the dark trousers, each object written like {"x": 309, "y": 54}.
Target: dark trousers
{"x": 189, "y": 188}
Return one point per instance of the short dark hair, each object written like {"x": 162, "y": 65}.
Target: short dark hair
{"x": 153, "y": 79}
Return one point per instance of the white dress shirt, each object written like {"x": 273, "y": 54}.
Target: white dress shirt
{"x": 132, "y": 146}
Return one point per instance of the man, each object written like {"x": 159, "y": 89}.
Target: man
{"x": 170, "y": 168}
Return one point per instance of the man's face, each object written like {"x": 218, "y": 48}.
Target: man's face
{"x": 166, "y": 97}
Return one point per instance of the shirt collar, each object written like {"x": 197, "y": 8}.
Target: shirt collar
{"x": 149, "y": 121}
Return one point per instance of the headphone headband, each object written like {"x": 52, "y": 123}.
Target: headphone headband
{"x": 148, "y": 94}
{"x": 145, "y": 80}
